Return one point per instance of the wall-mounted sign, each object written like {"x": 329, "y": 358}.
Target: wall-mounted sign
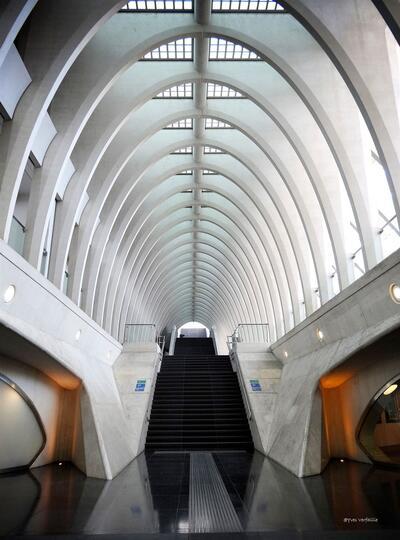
{"x": 140, "y": 385}
{"x": 255, "y": 385}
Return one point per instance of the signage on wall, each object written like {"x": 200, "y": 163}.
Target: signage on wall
{"x": 140, "y": 385}
{"x": 255, "y": 385}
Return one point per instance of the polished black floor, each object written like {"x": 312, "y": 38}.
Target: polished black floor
{"x": 151, "y": 498}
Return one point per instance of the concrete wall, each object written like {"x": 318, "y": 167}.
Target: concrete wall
{"x": 348, "y": 390}
{"x": 41, "y": 327}
{"x": 257, "y": 365}
{"x": 138, "y": 362}
{"x": 14, "y": 80}
{"x": 357, "y": 317}
{"x": 58, "y": 409}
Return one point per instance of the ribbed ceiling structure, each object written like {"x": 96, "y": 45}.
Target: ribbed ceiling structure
{"x": 222, "y": 162}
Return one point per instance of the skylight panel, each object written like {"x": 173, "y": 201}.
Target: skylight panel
{"x": 213, "y": 150}
{"x": 185, "y": 123}
{"x": 158, "y": 5}
{"x": 247, "y": 6}
{"x": 181, "y": 49}
{"x": 209, "y": 172}
{"x": 185, "y": 173}
{"x": 219, "y": 91}
{"x": 183, "y": 150}
{"x": 182, "y": 91}
{"x": 221, "y": 49}
{"x": 212, "y": 123}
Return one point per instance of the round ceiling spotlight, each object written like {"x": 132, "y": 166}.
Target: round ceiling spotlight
{"x": 9, "y": 293}
{"x": 320, "y": 334}
{"x": 394, "y": 292}
{"x": 390, "y": 389}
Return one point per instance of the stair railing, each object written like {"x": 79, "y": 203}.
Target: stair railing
{"x": 238, "y": 370}
{"x": 153, "y": 383}
{"x": 251, "y": 333}
{"x": 146, "y": 333}
{"x": 161, "y": 344}
{"x": 140, "y": 333}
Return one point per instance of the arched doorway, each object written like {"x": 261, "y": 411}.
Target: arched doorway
{"x": 193, "y": 329}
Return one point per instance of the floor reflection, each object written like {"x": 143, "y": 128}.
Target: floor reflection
{"x": 151, "y": 496}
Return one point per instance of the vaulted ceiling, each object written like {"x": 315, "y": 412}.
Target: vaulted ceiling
{"x": 222, "y": 162}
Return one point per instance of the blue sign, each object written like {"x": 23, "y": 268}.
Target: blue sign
{"x": 140, "y": 385}
{"x": 255, "y": 385}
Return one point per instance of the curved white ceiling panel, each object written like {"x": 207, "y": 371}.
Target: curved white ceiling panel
{"x": 216, "y": 166}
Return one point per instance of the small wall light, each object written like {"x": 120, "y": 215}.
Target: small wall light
{"x": 78, "y": 335}
{"x": 9, "y": 293}
{"x": 59, "y": 463}
{"x": 342, "y": 461}
{"x": 390, "y": 389}
{"x": 394, "y": 292}
{"x": 285, "y": 354}
{"x": 320, "y": 334}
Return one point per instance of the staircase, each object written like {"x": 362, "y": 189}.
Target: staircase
{"x": 197, "y": 402}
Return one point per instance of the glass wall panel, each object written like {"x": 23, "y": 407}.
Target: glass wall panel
{"x": 379, "y": 435}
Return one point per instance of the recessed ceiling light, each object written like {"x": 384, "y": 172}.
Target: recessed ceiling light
{"x": 9, "y": 293}
{"x": 285, "y": 354}
{"x": 78, "y": 335}
{"x": 320, "y": 334}
{"x": 390, "y": 389}
{"x": 394, "y": 292}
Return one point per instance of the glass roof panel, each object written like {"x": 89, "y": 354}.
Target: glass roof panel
{"x": 182, "y": 91}
{"x": 180, "y": 49}
{"x": 218, "y": 91}
{"x": 221, "y": 49}
{"x": 247, "y": 6}
{"x": 212, "y": 123}
{"x": 213, "y": 150}
{"x": 185, "y": 123}
{"x": 158, "y": 5}
{"x": 183, "y": 150}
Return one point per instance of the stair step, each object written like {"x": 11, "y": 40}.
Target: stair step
{"x": 187, "y": 423}
{"x": 193, "y": 445}
{"x": 197, "y": 403}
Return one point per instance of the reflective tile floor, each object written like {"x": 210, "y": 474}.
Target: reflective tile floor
{"x": 150, "y": 499}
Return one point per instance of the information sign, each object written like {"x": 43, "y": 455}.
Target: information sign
{"x": 255, "y": 385}
{"x": 140, "y": 385}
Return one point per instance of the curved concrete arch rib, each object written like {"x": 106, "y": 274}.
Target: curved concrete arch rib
{"x": 242, "y": 276}
{"x": 223, "y": 209}
{"x": 230, "y": 284}
{"x": 169, "y": 210}
{"x": 291, "y": 182}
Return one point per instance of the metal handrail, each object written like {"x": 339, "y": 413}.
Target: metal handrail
{"x": 244, "y": 331}
{"x": 140, "y": 333}
{"x": 242, "y": 384}
{"x": 161, "y": 343}
{"x": 153, "y": 382}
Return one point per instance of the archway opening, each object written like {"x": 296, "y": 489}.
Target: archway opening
{"x": 193, "y": 329}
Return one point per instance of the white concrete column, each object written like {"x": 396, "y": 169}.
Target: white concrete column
{"x": 174, "y": 335}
